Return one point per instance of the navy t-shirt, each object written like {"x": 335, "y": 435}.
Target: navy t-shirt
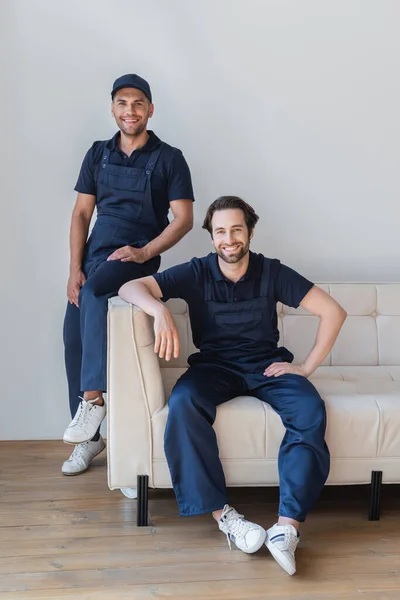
{"x": 187, "y": 281}
{"x": 170, "y": 179}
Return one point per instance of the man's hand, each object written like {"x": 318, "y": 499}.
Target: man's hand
{"x": 75, "y": 282}
{"x": 129, "y": 254}
{"x": 280, "y": 368}
{"x": 167, "y": 339}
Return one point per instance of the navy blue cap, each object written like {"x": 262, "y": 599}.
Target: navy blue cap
{"x": 132, "y": 81}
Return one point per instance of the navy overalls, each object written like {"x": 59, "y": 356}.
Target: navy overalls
{"x": 125, "y": 216}
{"x": 230, "y": 363}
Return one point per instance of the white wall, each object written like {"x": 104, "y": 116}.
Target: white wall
{"x": 292, "y": 104}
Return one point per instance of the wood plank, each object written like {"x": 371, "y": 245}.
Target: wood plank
{"x": 117, "y": 559}
{"x": 360, "y": 544}
{"x": 254, "y": 568}
{"x": 331, "y": 565}
{"x": 235, "y": 565}
{"x": 216, "y": 590}
{"x": 62, "y": 533}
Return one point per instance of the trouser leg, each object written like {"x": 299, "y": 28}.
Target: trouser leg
{"x": 303, "y": 456}
{"x": 73, "y": 355}
{"x": 100, "y": 286}
{"x": 190, "y": 441}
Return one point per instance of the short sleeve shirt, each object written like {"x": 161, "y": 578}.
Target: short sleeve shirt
{"x": 171, "y": 179}
{"x": 187, "y": 281}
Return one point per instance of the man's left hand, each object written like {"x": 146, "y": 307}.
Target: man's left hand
{"x": 280, "y": 368}
{"x": 129, "y": 254}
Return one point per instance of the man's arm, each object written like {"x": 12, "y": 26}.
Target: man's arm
{"x": 146, "y": 293}
{"x": 332, "y": 317}
{"x": 181, "y": 224}
{"x": 81, "y": 216}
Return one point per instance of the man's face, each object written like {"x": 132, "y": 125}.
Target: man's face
{"x": 230, "y": 235}
{"x": 131, "y": 110}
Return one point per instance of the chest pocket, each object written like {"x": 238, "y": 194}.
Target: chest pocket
{"x": 238, "y": 320}
{"x": 124, "y": 182}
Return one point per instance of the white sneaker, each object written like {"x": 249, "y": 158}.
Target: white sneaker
{"x": 85, "y": 423}
{"x": 129, "y": 492}
{"x": 247, "y": 536}
{"x": 82, "y": 456}
{"x": 282, "y": 542}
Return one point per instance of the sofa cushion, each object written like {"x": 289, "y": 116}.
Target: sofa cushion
{"x": 363, "y": 412}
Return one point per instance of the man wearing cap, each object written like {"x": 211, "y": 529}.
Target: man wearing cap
{"x": 132, "y": 180}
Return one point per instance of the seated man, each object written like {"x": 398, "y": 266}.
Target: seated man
{"x": 133, "y": 180}
{"x": 232, "y": 296}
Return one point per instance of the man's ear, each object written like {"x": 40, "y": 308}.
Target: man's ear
{"x": 112, "y": 109}
{"x": 251, "y": 234}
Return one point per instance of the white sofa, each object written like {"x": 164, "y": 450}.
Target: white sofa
{"x": 359, "y": 381}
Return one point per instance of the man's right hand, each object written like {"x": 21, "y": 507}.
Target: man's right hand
{"x": 166, "y": 334}
{"x": 75, "y": 282}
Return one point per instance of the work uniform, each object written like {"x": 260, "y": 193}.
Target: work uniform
{"x": 132, "y": 200}
{"x": 234, "y": 327}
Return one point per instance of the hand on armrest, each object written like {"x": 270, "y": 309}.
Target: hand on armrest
{"x": 145, "y": 293}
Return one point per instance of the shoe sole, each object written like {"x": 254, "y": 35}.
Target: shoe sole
{"x": 82, "y": 441}
{"x": 76, "y": 443}
{"x": 80, "y": 472}
{"x": 280, "y": 558}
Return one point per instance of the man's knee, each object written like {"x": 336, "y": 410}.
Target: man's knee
{"x": 87, "y": 292}
{"x": 187, "y": 401}
{"x": 317, "y": 409}
{"x": 90, "y": 292}
{"x": 313, "y": 413}
{"x": 310, "y": 411}
{"x": 181, "y": 400}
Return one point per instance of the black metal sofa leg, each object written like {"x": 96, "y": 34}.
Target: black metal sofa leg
{"x": 142, "y": 500}
{"x": 375, "y": 496}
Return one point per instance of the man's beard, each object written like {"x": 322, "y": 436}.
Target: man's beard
{"x": 234, "y": 258}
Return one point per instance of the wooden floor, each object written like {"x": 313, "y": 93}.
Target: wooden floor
{"x": 72, "y": 538}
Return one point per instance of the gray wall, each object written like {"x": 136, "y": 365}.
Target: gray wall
{"x": 292, "y": 104}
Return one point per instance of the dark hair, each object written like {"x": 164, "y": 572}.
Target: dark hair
{"x": 226, "y": 202}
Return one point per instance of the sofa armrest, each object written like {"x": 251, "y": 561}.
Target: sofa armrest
{"x": 135, "y": 393}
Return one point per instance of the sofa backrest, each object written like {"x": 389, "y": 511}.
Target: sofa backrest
{"x": 370, "y": 335}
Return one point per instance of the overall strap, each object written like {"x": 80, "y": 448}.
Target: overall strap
{"x": 105, "y": 157}
{"x": 208, "y": 283}
{"x": 265, "y": 279}
{"x": 154, "y": 156}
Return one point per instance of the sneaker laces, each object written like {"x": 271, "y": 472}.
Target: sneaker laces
{"x": 235, "y": 524}
{"x": 79, "y": 450}
{"x": 290, "y": 540}
{"x": 83, "y": 411}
